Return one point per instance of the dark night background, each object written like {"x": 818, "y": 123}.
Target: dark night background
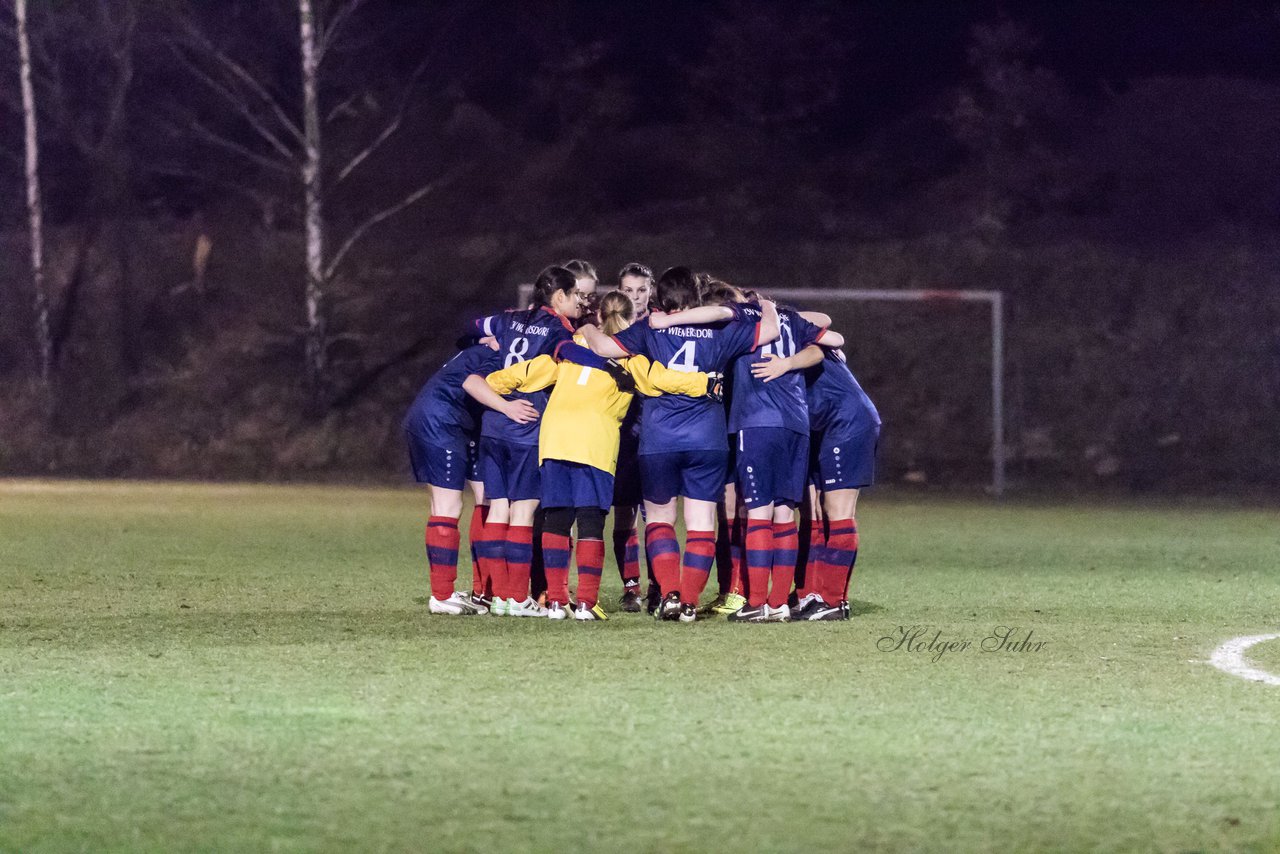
{"x": 1112, "y": 168}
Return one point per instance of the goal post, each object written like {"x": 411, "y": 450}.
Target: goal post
{"x": 994, "y": 298}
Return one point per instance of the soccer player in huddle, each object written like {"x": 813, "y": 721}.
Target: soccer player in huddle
{"x": 443, "y": 432}
{"x": 769, "y": 418}
{"x": 635, "y": 283}
{"x": 578, "y": 449}
{"x": 798, "y": 414}
{"x": 683, "y": 453}
{"x": 509, "y": 448}
{"x": 846, "y": 431}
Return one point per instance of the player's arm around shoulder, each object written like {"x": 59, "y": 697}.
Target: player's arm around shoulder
{"x": 699, "y": 316}
{"x": 601, "y": 344}
{"x": 533, "y": 375}
{"x": 775, "y": 366}
{"x": 654, "y": 379}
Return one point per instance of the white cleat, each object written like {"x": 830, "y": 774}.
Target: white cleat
{"x": 498, "y": 607}
{"x": 528, "y": 608}
{"x": 589, "y": 613}
{"x": 776, "y": 615}
{"x": 556, "y": 611}
{"x": 456, "y": 605}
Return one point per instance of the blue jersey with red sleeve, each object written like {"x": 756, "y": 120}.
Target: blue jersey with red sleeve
{"x": 521, "y": 335}
{"x": 443, "y": 414}
{"x": 780, "y": 402}
{"x": 837, "y": 404}
{"x": 673, "y": 422}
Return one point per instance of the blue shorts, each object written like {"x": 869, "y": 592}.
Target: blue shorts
{"x": 509, "y": 470}
{"x": 626, "y": 482}
{"x": 844, "y": 462}
{"x": 566, "y": 484}
{"x": 731, "y": 471}
{"x": 773, "y": 466}
{"x": 692, "y": 474}
{"x": 444, "y": 466}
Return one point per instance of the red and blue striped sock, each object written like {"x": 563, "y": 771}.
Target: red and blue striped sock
{"x": 786, "y": 542}
{"x": 817, "y": 542}
{"x": 492, "y": 552}
{"x": 442, "y": 554}
{"x": 519, "y": 553}
{"x": 699, "y": 557}
{"x": 838, "y": 559}
{"x": 590, "y": 567}
{"x": 738, "y": 556}
{"x": 476, "y": 536}
{"x": 556, "y": 549}
{"x": 759, "y": 548}
{"x": 663, "y": 550}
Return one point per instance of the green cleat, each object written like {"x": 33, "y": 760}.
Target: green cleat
{"x": 731, "y": 604}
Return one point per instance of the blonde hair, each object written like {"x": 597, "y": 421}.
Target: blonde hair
{"x": 616, "y": 312}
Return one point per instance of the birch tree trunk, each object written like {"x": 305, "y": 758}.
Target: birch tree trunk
{"x": 313, "y": 212}
{"x": 35, "y": 213}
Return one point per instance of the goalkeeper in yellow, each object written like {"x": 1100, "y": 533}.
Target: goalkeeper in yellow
{"x": 578, "y": 445}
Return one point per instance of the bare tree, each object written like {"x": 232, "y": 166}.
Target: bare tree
{"x": 35, "y": 209}
{"x": 286, "y": 140}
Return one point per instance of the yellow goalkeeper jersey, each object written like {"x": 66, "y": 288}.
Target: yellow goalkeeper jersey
{"x": 583, "y": 416}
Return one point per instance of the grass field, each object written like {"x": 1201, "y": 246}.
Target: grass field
{"x": 244, "y": 668}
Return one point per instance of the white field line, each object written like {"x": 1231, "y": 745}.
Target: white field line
{"x": 1229, "y": 658}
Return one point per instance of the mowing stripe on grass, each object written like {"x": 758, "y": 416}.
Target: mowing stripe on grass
{"x": 1229, "y": 658}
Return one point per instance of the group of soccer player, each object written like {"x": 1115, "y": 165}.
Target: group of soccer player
{"x": 681, "y": 395}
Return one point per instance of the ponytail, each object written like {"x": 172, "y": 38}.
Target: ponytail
{"x": 616, "y": 312}
{"x": 549, "y": 281}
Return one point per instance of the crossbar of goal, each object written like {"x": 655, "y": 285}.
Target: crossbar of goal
{"x": 995, "y": 298}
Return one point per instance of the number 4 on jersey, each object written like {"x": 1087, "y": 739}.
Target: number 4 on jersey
{"x": 685, "y": 359}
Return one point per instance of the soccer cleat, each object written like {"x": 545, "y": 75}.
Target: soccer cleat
{"x": 826, "y": 612}
{"x": 781, "y": 614}
{"x": 528, "y": 608}
{"x": 652, "y": 598}
{"x": 499, "y": 607}
{"x": 808, "y": 605}
{"x": 457, "y": 605}
{"x": 480, "y": 603}
{"x": 670, "y": 607}
{"x": 630, "y": 602}
{"x": 710, "y": 607}
{"x": 556, "y": 611}
{"x": 844, "y": 606}
{"x": 584, "y": 613}
{"x": 688, "y": 613}
{"x": 749, "y": 614}
{"x": 732, "y": 602}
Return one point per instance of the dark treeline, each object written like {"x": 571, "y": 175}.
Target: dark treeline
{"x": 245, "y": 283}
